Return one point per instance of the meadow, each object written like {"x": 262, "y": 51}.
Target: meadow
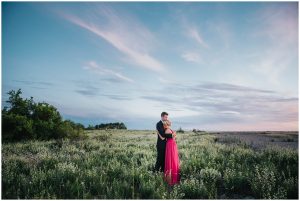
{"x": 117, "y": 164}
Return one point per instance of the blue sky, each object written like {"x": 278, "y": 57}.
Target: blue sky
{"x": 210, "y": 65}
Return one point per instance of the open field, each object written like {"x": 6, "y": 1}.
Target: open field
{"x": 260, "y": 140}
{"x": 117, "y": 164}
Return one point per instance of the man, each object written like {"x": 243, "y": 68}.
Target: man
{"x": 161, "y": 143}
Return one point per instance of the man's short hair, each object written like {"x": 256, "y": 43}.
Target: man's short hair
{"x": 163, "y": 114}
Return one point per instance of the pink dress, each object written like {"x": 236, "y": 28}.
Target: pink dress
{"x": 172, "y": 163}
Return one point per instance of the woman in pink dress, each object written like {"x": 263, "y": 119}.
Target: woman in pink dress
{"x": 172, "y": 163}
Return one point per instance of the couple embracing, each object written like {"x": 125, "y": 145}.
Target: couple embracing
{"x": 167, "y": 154}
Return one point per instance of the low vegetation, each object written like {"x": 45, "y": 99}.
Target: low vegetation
{"x": 117, "y": 164}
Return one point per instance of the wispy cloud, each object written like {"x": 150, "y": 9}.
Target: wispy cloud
{"x": 88, "y": 91}
{"x": 229, "y": 87}
{"x": 91, "y": 89}
{"x": 278, "y": 27}
{"x": 123, "y": 32}
{"x": 192, "y": 57}
{"x": 197, "y": 46}
{"x": 189, "y": 28}
{"x": 217, "y": 103}
{"x": 195, "y": 34}
{"x": 35, "y": 84}
{"x": 94, "y": 67}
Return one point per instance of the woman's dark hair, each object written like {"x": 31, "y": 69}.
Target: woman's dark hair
{"x": 163, "y": 114}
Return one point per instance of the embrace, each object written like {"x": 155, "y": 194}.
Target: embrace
{"x": 167, "y": 154}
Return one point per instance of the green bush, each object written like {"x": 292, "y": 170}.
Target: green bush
{"x": 190, "y": 188}
{"x": 235, "y": 181}
{"x": 69, "y": 129}
{"x": 25, "y": 119}
{"x": 264, "y": 183}
{"x": 16, "y": 127}
{"x": 211, "y": 178}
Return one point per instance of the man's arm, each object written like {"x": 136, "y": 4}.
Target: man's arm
{"x": 161, "y": 137}
{"x": 161, "y": 131}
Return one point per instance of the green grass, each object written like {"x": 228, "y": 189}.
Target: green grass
{"x": 117, "y": 164}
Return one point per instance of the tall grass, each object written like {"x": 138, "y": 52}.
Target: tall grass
{"x": 118, "y": 164}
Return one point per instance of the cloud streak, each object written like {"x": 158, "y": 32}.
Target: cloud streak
{"x": 35, "y": 84}
{"x": 94, "y": 67}
{"x": 193, "y": 33}
{"x": 122, "y": 32}
{"x": 218, "y": 103}
{"x": 278, "y": 27}
{"x": 192, "y": 57}
{"x": 91, "y": 90}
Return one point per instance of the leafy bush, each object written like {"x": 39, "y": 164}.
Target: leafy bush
{"x": 211, "y": 178}
{"x": 264, "y": 184}
{"x": 16, "y": 127}
{"x": 235, "y": 181}
{"x": 25, "y": 119}
{"x": 190, "y": 188}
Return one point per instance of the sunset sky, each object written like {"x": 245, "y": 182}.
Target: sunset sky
{"x": 210, "y": 65}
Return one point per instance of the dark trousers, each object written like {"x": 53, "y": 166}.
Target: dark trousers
{"x": 160, "y": 160}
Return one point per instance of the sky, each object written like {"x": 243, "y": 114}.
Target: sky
{"x": 226, "y": 66}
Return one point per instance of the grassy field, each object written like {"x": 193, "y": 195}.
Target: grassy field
{"x": 118, "y": 164}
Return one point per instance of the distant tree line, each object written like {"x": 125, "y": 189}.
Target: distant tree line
{"x": 117, "y": 125}
{"x": 25, "y": 119}
{"x": 180, "y": 130}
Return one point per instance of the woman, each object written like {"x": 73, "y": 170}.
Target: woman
{"x": 172, "y": 163}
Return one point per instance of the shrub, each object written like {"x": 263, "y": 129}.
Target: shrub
{"x": 190, "y": 188}
{"x": 25, "y": 119}
{"x": 235, "y": 181}
{"x": 264, "y": 184}
{"x": 210, "y": 178}
{"x": 16, "y": 127}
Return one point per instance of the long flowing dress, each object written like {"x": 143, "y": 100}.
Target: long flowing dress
{"x": 172, "y": 163}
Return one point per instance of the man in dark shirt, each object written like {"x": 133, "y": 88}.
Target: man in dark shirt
{"x": 161, "y": 143}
